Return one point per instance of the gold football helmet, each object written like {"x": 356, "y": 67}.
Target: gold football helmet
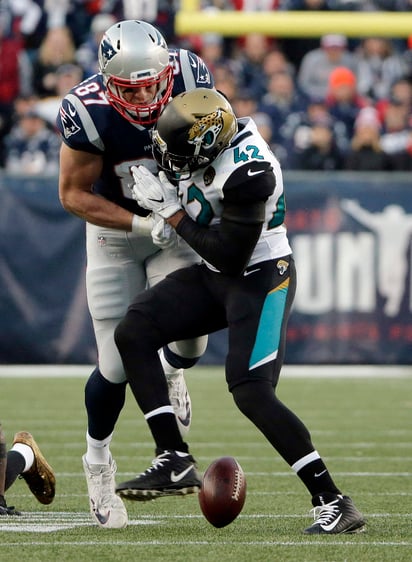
{"x": 192, "y": 131}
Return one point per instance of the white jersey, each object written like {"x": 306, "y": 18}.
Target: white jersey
{"x": 203, "y": 193}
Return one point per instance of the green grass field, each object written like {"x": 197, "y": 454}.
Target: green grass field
{"x": 361, "y": 426}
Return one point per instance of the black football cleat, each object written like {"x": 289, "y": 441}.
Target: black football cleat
{"x": 336, "y": 517}
{"x": 172, "y": 474}
{"x": 7, "y": 510}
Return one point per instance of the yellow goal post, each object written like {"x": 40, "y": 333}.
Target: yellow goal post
{"x": 190, "y": 19}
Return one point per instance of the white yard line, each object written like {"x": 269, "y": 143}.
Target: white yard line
{"x": 316, "y": 371}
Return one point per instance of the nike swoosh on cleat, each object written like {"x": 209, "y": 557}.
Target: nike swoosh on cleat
{"x": 177, "y": 477}
{"x": 184, "y": 421}
{"x": 103, "y": 519}
{"x": 332, "y": 525}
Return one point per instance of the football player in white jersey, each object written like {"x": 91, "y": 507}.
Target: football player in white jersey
{"x": 105, "y": 124}
{"x": 229, "y": 206}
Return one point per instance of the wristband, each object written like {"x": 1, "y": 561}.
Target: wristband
{"x": 142, "y": 225}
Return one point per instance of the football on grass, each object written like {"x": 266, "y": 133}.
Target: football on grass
{"x": 223, "y": 491}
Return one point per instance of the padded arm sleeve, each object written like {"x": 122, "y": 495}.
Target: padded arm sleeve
{"x": 228, "y": 245}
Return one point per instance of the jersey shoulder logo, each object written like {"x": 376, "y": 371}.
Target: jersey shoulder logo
{"x": 209, "y": 175}
{"x": 70, "y": 127}
{"x": 199, "y": 69}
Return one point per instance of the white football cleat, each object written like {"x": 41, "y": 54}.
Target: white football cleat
{"x": 107, "y": 509}
{"x": 180, "y": 400}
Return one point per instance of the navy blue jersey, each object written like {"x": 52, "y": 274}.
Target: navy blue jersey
{"x": 89, "y": 123}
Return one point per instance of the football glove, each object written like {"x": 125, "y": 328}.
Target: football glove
{"x": 163, "y": 235}
{"x": 157, "y": 195}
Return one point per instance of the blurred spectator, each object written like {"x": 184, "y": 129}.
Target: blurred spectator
{"x": 281, "y": 99}
{"x": 264, "y": 125}
{"x": 67, "y": 76}
{"x": 300, "y": 5}
{"x": 251, "y": 56}
{"x": 397, "y": 135}
{"x": 146, "y": 11}
{"x": 400, "y": 5}
{"x": 211, "y": 50}
{"x": 371, "y": 5}
{"x": 15, "y": 72}
{"x": 317, "y": 64}
{"x": 255, "y": 5}
{"x": 31, "y": 148}
{"x": 21, "y": 105}
{"x": 57, "y": 48}
{"x": 366, "y": 152}
{"x": 87, "y": 53}
{"x": 274, "y": 61}
{"x": 217, "y": 4}
{"x": 160, "y": 13}
{"x": 225, "y": 80}
{"x": 74, "y": 14}
{"x": 24, "y": 18}
{"x": 378, "y": 67}
{"x": 407, "y": 55}
{"x": 400, "y": 91}
{"x": 353, "y": 5}
{"x": 316, "y": 111}
{"x": 296, "y": 48}
{"x": 314, "y": 139}
{"x": 56, "y": 11}
{"x": 343, "y": 99}
{"x": 244, "y": 103}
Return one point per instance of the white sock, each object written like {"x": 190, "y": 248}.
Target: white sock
{"x": 26, "y": 452}
{"x": 98, "y": 452}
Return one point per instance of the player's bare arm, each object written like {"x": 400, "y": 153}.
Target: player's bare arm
{"x": 78, "y": 171}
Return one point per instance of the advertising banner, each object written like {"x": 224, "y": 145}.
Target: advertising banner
{"x": 351, "y": 237}
{"x": 350, "y": 234}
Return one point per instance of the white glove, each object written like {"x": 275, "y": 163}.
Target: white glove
{"x": 157, "y": 195}
{"x": 163, "y": 235}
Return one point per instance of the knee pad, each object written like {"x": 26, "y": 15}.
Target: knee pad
{"x": 185, "y": 353}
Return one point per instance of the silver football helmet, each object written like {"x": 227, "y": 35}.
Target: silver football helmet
{"x": 193, "y": 129}
{"x": 134, "y": 55}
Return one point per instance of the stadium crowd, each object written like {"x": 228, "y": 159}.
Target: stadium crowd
{"x": 328, "y": 103}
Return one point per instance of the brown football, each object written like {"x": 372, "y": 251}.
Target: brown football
{"x": 223, "y": 491}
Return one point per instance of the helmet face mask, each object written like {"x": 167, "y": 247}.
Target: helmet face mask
{"x": 133, "y": 57}
{"x": 193, "y": 129}
{"x": 177, "y": 167}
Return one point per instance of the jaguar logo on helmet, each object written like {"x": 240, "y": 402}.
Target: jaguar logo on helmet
{"x": 205, "y": 131}
{"x": 107, "y": 51}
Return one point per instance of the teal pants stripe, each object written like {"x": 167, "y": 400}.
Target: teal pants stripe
{"x": 270, "y": 325}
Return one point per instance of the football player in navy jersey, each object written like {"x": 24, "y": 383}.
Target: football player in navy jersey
{"x": 229, "y": 206}
{"x": 105, "y": 123}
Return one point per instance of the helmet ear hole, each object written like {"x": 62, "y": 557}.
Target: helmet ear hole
{"x": 134, "y": 55}
{"x": 193, "y": 129}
